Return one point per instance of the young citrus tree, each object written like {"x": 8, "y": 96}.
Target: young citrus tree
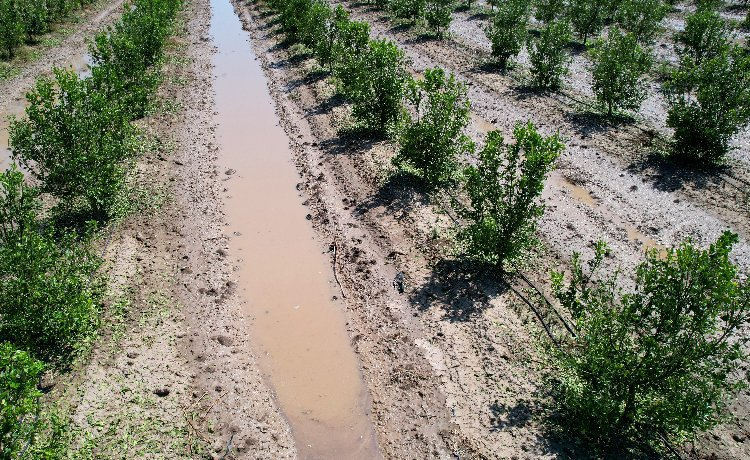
{"x": 587, "y": 17}
{"x": 19, "y": 399}
{"x": 548, "y": 55}
{"x": 410, "y": 10}
{"x": 658, "y": 357}
{"x": 504, "y": 189}
{"x": 315, "y": 24}
{"x": 438, "y": 14}
{"x": 641, "y": 17}
{"x": 548, "y": 10}
{"x": 708, "y": 104}
{"x": 48, "y": 306}
{"x": 706, "y": 35}
{"x": 349, "y": 51}
{"x": 324, "y": 47}
{"x": 377, "y": 97}
{"x": 507, "y": 30}
{"x": 12, "y": 31}
{"x": 74, "y": 141}
{"x": 433, "y": 138}
{"x": 619, "y": 65}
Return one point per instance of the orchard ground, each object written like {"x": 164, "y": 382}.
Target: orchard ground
{"x": 453, "y": 366}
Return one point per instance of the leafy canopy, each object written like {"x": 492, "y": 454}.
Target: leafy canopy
{"x": 504, "y": 188}
{"x": 656, "y": 358}
{"x": 433, "y": 138}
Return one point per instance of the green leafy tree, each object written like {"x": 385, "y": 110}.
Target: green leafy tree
{"x": 548, "y": 55}
{"x": 656, "y": 358}
{"x": 548, "y": 10}
{"x": 507, "y": 31}
{"x": 74, "y": 141}
{"x": 12, "y": 32}
{"x": 411, "y": 10}
{"x": 504, "y": 189}
{"x": 19, "y": 399}
{"x": 316, "y": 23}
{"x": 706, "y": 35}
{"x": 619, "y": 66}
{"x": 433, "y": 139}
{"x": 47, "y": 304}
{"x": 439, "y": 14}
{"x": 641, "y": 17}
{"x": 708, "y": 104}
{"x": 124, "y": 56}
{"x": 587, "y": 17}
{"x": 324, "y": 48}
{"x": 349, "y": 52}
{"x": 34, "y": 17}
{"x": 292, "y": 17}
{"x": 377, "y": 97}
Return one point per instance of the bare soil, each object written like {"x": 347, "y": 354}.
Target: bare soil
{"x": 454, "y": 366}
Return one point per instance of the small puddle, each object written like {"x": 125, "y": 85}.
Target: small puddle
{"x": 576, "y": 191}
{"x": 284, "y": 277}
{"x": 584, "y": 196}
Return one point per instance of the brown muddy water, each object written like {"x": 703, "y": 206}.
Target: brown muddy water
{"x": 285, "y": 279}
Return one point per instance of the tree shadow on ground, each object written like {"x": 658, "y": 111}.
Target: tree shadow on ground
{"x": 527, "y": 91}
{"x": 479, "y": 16}
{"x": 462, "y": 288}
{"x": 588, "y": 122}
{"x": 401, "y": 27}
{"x": 504, "y": 416}
{"x": 399, "y": 195}
{"x": 577, "y": 48}
{"x": 308, "y": 79}
{"x": 492, "y": 66}
{"x": 327, "y": 106}
{"x": 669, "y": 175}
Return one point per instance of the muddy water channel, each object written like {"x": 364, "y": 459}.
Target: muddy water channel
{"x": 285, "y": 279}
